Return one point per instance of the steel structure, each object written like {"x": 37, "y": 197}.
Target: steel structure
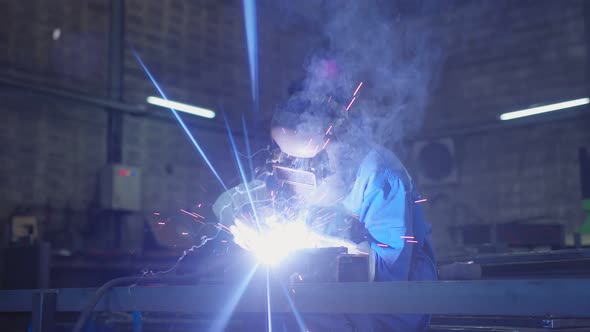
{"x": 538, "y": 298}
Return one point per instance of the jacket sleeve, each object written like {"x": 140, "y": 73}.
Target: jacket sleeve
{"x": 378, "y": 198}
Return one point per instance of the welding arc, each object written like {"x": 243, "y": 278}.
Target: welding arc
{"x": 179, "y": 119}
{"x": 241, "y": 169}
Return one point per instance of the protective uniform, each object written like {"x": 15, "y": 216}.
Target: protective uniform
{"x": 383, "y": 197}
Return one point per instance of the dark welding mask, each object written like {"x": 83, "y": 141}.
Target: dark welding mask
{"x": 300, "y": 174}
{"x": 301, "y": 131}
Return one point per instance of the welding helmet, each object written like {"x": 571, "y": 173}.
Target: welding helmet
{"x": 302, "y": 129}
{"x": 304, "y": 126}
{"x": 298, "y": 135}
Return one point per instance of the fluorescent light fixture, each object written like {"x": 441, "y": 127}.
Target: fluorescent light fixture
{"x": 544, "y": 109}
{"x": 195, "y": 110}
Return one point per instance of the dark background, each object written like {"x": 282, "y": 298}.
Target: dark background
{"x": 501, "y": 56}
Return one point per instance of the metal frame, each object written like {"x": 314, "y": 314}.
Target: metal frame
{"x": 541, "y": 298}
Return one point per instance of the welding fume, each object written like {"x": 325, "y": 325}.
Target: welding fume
{"x": 324, "y": 188}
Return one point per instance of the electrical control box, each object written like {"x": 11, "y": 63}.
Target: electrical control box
{"x": 120, "y": 188}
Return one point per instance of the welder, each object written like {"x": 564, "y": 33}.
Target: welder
{"x": 376, "y": 188}
{"x": 329, "y": 160}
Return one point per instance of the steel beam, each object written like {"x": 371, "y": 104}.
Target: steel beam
{"x": 543, "y": 298}
{"x": 116, "y": 56}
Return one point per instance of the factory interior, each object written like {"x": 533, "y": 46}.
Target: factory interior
{"x": 309, "y": 165}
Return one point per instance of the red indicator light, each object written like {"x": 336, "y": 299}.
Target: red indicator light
{"x": 122, "y": 172}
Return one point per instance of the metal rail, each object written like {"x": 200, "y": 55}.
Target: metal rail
{"x": 543, "y": 298}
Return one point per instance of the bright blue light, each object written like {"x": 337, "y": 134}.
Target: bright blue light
{"x": 252, "y": 43}
{"x": 221, "y": 321}
{"x": 241, "y": 169}
{"x": 298, "y": 318}
{"x": 180, "y": 121}
{"x": 268, "y": 312}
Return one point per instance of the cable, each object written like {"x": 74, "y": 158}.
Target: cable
{"x": 119, "y": 281}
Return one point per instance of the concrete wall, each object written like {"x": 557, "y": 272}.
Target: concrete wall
{"x": 509, "y": 57}
{"x": 52, "y": 149}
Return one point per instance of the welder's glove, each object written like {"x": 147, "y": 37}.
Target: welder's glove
{"x": 244, "y": 235}
{"x": 232, "y": 202}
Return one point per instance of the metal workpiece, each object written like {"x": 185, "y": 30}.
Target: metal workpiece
{"x": 542, "y": 298}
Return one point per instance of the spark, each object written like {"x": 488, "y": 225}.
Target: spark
{"x": 309, "y": 143}
{"x": 300, "y": 203}
{"x": 241, "y": 169}
{"x": 357, "y": 88}
{"x": 300, "y": 278}
{"x": 337, "y": 200}
{"x": 421, "y": 200}
{"x": 352, "y": 101}
{"x": 325, "y": 222}
{"x": 406, "y": 237}
{"x": 411, "y": 241}
{"x": 161, "y": 223}
{"x": 327, "y": 141}
{"x": 156, "y": 213}
{"x": 180, "y": 121}
{"x": 223, "y": 241}
{"x": 284, "y": 132}
{"x": 223, "y": 227}
{"x": 199, "y": 206}
{"x": 328, "y": 131}
{"x": 382, "y": 245}
{"x": 330, "y": 98}
{"x": 196, "y": 215}
{"x": 316, "y": 149}
{"x": 293, "y": 290}
{"x": 321, "y": 198}
{"x": 184, "y": 233}
{"x": 325, "y": 215}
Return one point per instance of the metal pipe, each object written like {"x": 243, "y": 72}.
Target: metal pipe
{"x": 75, "y": 96}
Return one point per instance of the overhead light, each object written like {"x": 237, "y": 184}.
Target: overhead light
{"x": 195, "y": 110}
{"x": 544, "y": 109}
